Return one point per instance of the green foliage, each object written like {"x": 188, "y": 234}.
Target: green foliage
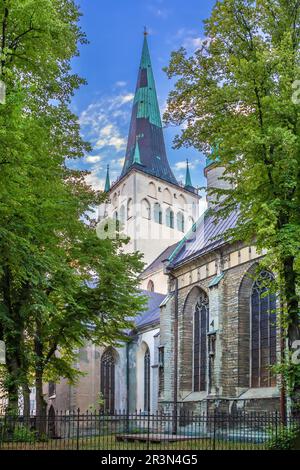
{"x": 238, "y": 91}
{"x": 283, "y": 438}
{"x": 60, "y": 286}
{"x": 22, "y": 433}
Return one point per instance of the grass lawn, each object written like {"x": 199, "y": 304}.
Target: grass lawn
{"x": 111, "y": 443}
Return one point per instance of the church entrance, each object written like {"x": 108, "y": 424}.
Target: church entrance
{"x": 108, "y": 380}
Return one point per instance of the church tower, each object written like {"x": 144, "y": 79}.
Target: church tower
{"x": 153, "y": 208}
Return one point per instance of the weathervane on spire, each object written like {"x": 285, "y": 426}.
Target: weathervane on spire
{"x": 145, "y": 31}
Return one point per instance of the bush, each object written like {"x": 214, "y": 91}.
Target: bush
{"x": 22, "y": 433}
{"x": 283, "y": 438}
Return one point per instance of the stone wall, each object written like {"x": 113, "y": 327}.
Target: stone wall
{"x": 229, "y": 322}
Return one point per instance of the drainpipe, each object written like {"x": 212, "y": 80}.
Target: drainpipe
{"x": 175, "y": 383}
{"x": 127, "y": 376}
{"x": 127, "y": 386}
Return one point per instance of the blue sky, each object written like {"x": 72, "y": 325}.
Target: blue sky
{"x": 110, "y": 63}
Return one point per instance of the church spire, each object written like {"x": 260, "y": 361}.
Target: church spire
{"x": 188, "y": 179}
{"x": 146, "y": 140}
{"x": 107, "y": 181}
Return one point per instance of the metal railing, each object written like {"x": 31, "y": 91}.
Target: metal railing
{"x": 140, "y": 431}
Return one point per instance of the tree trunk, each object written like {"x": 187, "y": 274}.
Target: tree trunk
{"x": 292, "y": 304}
{"x": 41, "y": 404}
{"x": 12, "y": 387}
{"x": 26, "y": 401}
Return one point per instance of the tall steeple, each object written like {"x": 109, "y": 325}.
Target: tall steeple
{"x": 107, "y": 181}
{"x": 188, "y": 180}
{"x": 146, "y": 146}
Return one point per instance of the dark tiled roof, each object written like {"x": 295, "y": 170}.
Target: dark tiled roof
{"x": 151, "y": 315}
{"x": 146, "y": 146}
{"x": 157, "y": 264}
{"x": 209, "y": 235}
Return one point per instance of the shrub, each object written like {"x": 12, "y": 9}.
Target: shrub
{"x": 283, "y": 437}
{"x": 22, "y": 433}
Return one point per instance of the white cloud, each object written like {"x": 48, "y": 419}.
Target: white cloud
{"x": 93, "y": 159}
{"x": 120, "y": 84}
{"x": 95, "y": 181}
{"x": 193, "y": 42}
{"x": 110, "y": 137}
{"x": 188, "y": 38}
{"x": 121, "y": 161}
{"x": 104, "y": 122}
{"x": 182, "y": 165}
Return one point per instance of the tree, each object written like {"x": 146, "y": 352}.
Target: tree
{"x": 238, "y": 91}
{"x": 49, "y": 251}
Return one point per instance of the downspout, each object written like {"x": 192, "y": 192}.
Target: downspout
{"x": 127, "y": 386}
{"x": 127, "y": 377}
{"x": 175, "y": 382}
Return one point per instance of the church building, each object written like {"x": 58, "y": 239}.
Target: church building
{"x": 209, "y": 334}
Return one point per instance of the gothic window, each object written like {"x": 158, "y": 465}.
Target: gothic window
{"x": 108, "y": 380}
{"x": 150, "y": 286}
{"x": 161, "y": 361}
{"x": 167, "y": 196}
{"x": 182, "y": 201}
{"x": 201, "y": 317}
{"x": 180, "y": 222}
{"x": 170, "y": 218}
{"x": 146, "y": 209}
{"x": 129, "y": 209}
{"x": 147, "y": 380}
{"x": 122, "y": 214}
{"x": 152, "y": 190}
{"x": 263, "y": 332}
{"x": 157, "y": 213}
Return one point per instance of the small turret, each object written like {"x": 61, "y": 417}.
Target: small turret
{"x": 107, "y": 181}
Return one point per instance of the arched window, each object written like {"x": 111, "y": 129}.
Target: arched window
{"x": 122, "y": 214}
{"x": 146, "y": 209}
{"x": 263, "y": 332}
{"x": 167, "y": 197}
{"x": 129, "y": 209}
{"x": 157, "y": 213}
{"x": 152, "y": 190}
{"x": 201, "y": 317}
{"x": 180, "y": 222}
{"x": 147, "y": 380}
{"x": 170, "y": 218}
{"x": 150, "y": 286}
{"x": 115, "y": 199}
{"x": 108, "y": 380}
{"x": 182, "y": 201}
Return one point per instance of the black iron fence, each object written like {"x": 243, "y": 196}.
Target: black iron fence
{"x": 140, "y": 431}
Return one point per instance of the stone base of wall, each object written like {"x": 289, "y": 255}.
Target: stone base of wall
{"x": 222, "y": 405}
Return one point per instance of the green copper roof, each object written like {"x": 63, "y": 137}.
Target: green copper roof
{"x": 145, "y": 96}
{"x": 215, "y": 154}
{"x": 216, "y": 280}
{"x": 188, "y": 179}
{"x": 107, "y": 181}
{"x": 145, "y": 145}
